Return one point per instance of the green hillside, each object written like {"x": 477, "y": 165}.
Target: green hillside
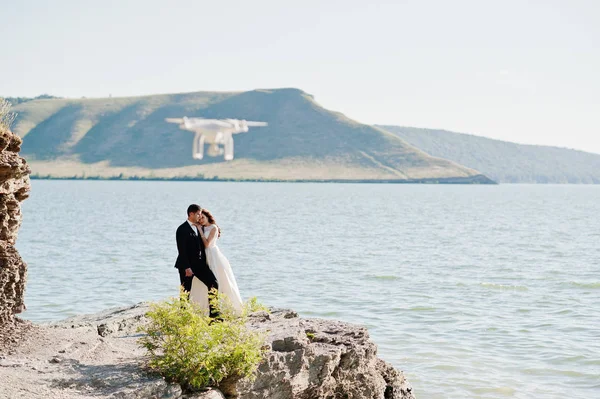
{"x": 129, "y": 137}
{"x": 503, "y": 161}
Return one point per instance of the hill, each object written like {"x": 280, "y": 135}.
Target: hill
{"x": 19, "y": 100}
{"x": 505, "y": 162}
{"x": 109, "y": 137}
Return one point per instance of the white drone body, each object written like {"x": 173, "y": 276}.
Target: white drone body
{"x": 215, "y": 132}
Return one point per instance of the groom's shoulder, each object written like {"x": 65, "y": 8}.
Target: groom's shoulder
{"x": 182, "y": 226}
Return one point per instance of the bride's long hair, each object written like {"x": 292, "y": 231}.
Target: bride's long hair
{"x": 211, "y": 220}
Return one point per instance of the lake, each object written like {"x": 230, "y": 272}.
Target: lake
{"x": 472, "y": 291}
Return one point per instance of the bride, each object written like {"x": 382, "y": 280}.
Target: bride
{"x": 209, "y": 232}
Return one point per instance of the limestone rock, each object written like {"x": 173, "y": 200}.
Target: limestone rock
{"x": 98, "y": 356}
{"x": 14, "y": 188}
{"x": 211, "y": 393}
{"x": 307, "y": 358}
{"x": 314, "y": 358}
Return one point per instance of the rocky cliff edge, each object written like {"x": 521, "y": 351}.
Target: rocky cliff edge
{"x": 97, "y": 356}
{"x": 14, "y": 188}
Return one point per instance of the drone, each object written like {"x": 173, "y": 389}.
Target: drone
{"x": 218, "y": 133}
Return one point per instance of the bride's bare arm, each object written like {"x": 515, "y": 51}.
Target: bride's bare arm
{"x": 212, "y": 236}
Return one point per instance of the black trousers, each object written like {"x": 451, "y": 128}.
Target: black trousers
{"x": 186, "y": 282}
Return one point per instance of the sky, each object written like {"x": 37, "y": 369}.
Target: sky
{"x": 522, "y": 71}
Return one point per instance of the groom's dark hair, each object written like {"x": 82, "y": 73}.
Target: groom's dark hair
{"x": 193, "y": 209}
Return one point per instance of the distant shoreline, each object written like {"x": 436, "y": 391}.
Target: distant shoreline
{"x": 478, "y": 179}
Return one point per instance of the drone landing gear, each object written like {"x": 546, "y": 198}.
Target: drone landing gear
{"x": 228, "y": 146}
{"x": 198, "y": 147}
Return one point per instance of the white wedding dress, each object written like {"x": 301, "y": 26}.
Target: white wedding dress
{"x": 219, "y": 265}
{"x": 199, "y": 294}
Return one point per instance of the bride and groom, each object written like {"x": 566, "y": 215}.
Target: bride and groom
{"x": 201, "y": 264}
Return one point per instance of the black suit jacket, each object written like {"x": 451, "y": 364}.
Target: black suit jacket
{"x": 191, "y": 255}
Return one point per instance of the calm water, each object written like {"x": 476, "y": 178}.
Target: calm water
{"x": 473, "y": 291}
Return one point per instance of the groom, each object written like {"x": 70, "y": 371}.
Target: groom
{"x": 191, "y": 258}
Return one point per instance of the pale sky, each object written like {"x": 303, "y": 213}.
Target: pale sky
{"x": 523, "y": 71}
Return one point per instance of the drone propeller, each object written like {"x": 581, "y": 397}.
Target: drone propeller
{"x": 196, "y": 122}
{"x": 252, "y": 123}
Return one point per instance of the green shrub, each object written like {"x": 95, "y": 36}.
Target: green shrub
{"x": 252, "y": 305}
{"x": 188, "y": 347}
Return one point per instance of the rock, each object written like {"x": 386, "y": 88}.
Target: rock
{"x": 150, "y": 388}
{"x": 100, "y": 357}
{"x": 14, "y": 188}
{"x": 314, "y": 358}
{"x": 211, "y": 393}
{"x": 104, "y": 330}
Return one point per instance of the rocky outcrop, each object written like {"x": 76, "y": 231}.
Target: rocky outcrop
{"x": 97, "y": 356}
{"x": 315, "y": 358}
{"x": 14, "y": 188}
